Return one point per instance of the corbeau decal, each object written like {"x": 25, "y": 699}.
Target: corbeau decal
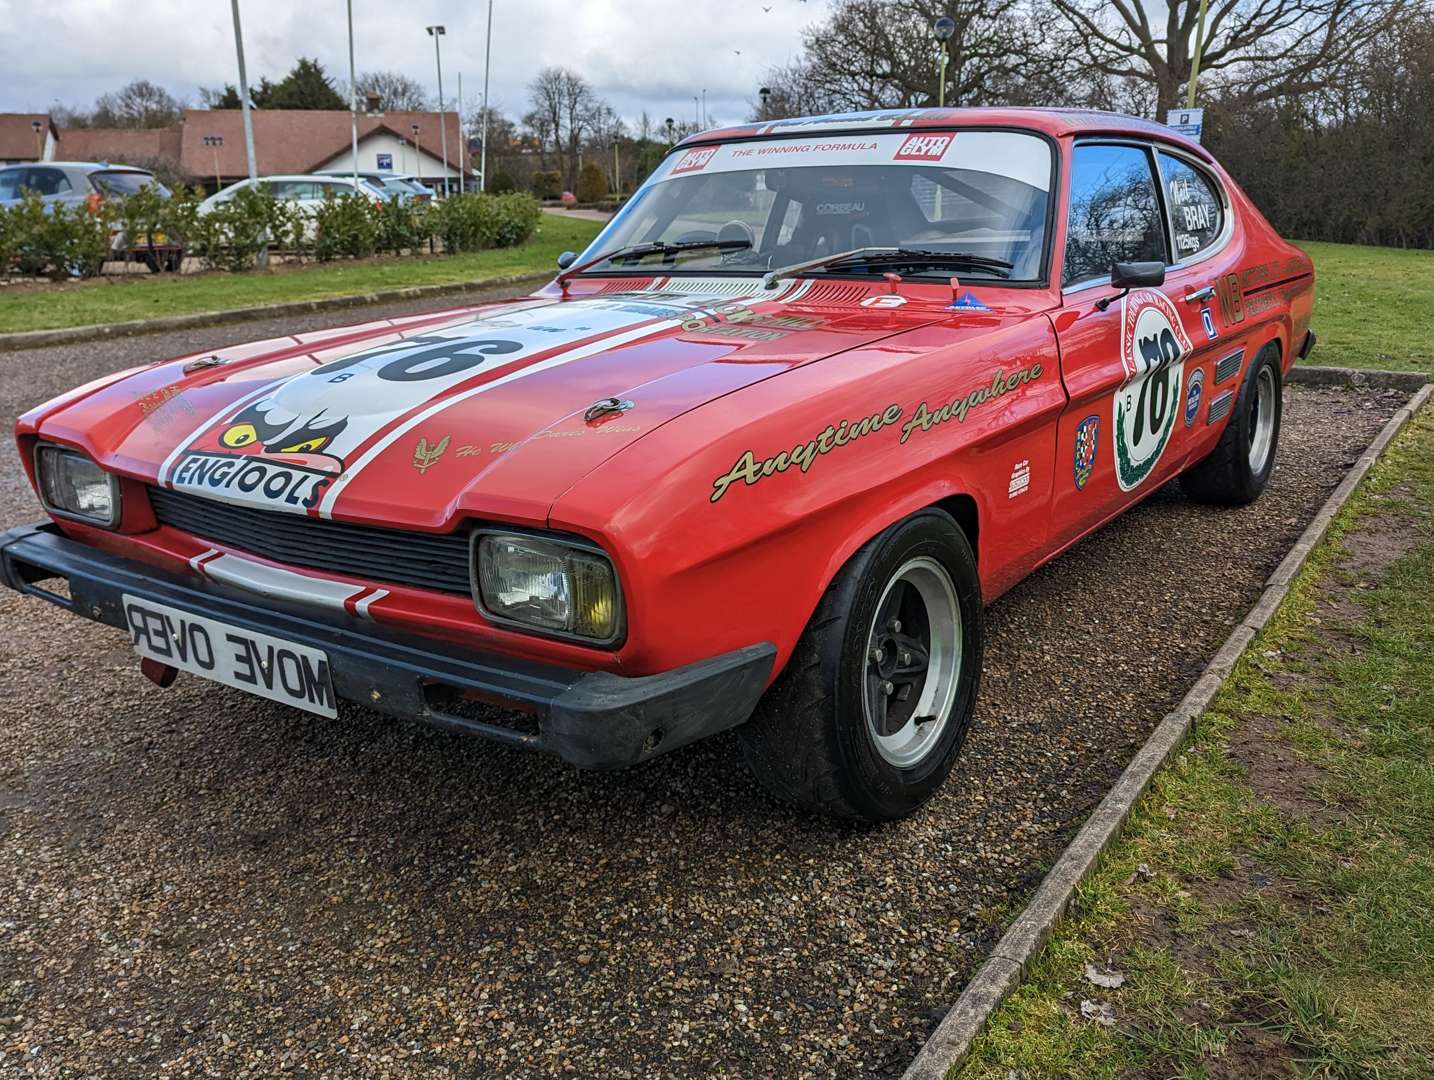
{"x": 1001, "y": 383}
{"x": 1153, "y": 348}
{"x": 749, "y": 470}
{"x": 1087, "y": 439}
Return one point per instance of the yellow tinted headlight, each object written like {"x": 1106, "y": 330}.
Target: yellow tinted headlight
{"x": 564, "y": 588}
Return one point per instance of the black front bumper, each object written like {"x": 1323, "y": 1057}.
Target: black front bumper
{"x": 595, "y": 720}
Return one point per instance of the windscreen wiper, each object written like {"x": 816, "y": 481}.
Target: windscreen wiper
{"x": 890, "y": 256}
{"x": 633, "y": 252}
{"x": 923, "y": 257}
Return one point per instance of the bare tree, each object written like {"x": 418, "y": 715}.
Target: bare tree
{"x": 396, "y": 92}
{"x": 1270, "y": 48}
{"x": 565, "y": 111}
{"x": 140, "y": 104}
{"x": 872, "y": 54}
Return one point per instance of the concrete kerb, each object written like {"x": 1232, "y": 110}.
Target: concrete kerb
{"x": 34, "y": 339}
{"x": 1011, "y": 959}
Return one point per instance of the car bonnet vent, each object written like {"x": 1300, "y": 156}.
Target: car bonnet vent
{"x": 832, "y": 294}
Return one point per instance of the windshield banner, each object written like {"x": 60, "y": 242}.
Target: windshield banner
{"x": 1020, "y": 157}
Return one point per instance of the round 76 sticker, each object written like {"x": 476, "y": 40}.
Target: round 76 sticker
{"x": 1153, "y": 350}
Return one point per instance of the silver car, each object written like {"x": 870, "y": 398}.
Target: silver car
{"x": 73, "y": 182}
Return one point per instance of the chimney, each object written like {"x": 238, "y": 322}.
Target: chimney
{"x": 373, "y": 101}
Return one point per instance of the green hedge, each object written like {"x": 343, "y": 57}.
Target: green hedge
{"x": 62, "y": 241}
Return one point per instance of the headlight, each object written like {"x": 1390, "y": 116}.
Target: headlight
{"x": 72, "y": 485}
{"x": 563, "y": 588}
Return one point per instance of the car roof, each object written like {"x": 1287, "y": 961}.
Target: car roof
{"x": 100, "y": 165}
{"x": 1053, "y": 122}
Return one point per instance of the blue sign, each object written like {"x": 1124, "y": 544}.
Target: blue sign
{"x": 1188, "y": 122}
{"x": 385, "y": 161}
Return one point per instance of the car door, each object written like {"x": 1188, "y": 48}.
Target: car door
{"x": 1121, "y": 356}
{"x": 1203, "y": 284}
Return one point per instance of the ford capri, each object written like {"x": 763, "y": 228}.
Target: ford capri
{"x": 755, "y": 460}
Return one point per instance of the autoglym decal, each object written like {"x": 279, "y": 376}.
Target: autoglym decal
{"x": 1153, "y": 350}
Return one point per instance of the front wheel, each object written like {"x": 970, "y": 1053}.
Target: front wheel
{"x": 870, "y": 714}
{"x": 1238, "y": 469}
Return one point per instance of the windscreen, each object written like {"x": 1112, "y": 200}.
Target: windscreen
{"x": 778, "y": 202}
{"x": 125, "y": 183}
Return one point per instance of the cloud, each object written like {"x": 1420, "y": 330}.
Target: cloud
{"x": 639, "y": 54}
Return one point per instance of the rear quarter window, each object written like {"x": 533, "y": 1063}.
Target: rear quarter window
{"x": 124, "y": 183}
{"x": 1197, "y": 212}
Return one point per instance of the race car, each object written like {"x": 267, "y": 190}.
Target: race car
{"x": 756, "y": 459}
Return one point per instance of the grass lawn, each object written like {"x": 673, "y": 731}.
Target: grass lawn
{"x": 1269, "y": 908}
{"x": 1373, "y": 307}
{"x": 108, "y": 300}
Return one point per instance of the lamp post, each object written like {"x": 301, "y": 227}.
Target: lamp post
{"x": 39, "y": 142}
{"x": 417, "y": 153}
{"x": 697, "y": 111}
{"x": 704, "y": 107}
{"x": 483, "y": 150}
{"x": 1199, "y": 51}
{"x": 764, "y": 94}
{"x": 244, "y": 101}
{"x": 670, "y": 125}
{"x": 943, "y": 28}
{"x": 436, "y": 32}
{"x": 214, "y": 142}
{"x": 353, "y": 97}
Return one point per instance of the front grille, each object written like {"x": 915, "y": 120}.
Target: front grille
{"x": 388, "y": 556}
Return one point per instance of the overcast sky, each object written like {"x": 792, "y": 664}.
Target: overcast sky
{"x": 638, "y": 54}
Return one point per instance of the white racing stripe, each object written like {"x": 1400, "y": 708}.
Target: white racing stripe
{"x": 613, "y": 341}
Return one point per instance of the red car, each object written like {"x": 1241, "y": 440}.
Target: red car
{"x": 757, "y": 459}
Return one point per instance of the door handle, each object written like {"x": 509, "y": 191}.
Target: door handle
{"x": 1200, "y": 295}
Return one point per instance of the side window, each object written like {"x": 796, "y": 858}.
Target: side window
{"x": 1196, "y": 213}
{"x": 47, "y": 182}
{"x": 1114, "y": 212}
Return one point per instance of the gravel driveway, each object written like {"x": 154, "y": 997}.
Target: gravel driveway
{"x": 194, "y": 882}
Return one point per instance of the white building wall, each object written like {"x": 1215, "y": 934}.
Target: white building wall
{"x": 425, "y": 161}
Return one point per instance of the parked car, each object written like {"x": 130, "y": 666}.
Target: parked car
{"x": 89, "y": 183}
{"x": 392, "y": 185}
{"x": 308, "y": 192}
{"x": 755, "y": 460}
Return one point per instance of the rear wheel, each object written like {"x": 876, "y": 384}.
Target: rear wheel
{"x": 870, "y": 714}
{"x": 1238, "y": 469}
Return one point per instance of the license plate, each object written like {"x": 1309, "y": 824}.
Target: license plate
{"x": 270, "y": 667}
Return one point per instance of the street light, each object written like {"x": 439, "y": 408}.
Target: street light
{"x": 436, "y": 32}
{"x": 670, "y": 125}
{"x": 483, "y": 152}
{"x": 697, "y": 111}
{"x": 417, "y": 153}
{"x": 39, "y": 142}
{"x": 214, "y": 142}
{"x": 764, "y": 94}
{"x": 943, "y": 29}
{"x": 353, "y": 97}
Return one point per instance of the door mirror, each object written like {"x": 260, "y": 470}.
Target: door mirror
{"x": 1137, "y": 275}
{"x": 566, "y": 259}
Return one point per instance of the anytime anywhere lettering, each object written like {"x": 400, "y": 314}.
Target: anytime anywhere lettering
{"x": 749, "y": 470}
{"x": 1001, "y": 383}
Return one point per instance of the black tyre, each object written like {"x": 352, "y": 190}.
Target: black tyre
{"x": 871, "y": 711}
{"x": 1239, "y": 467}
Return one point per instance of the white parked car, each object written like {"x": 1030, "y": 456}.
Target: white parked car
{"x": 308, "y": 191}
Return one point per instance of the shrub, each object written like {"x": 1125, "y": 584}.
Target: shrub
{"x": 472, "y": 222}
{"x": 547, "y": 183}
{"x": 346, "y": 225}
{"x": 58, "y": 240}
{"x": 402, "y": 225}
{"x": 503, "y": 183}
{"x": 592, "y": 183}
{"x": 230, "y": 235}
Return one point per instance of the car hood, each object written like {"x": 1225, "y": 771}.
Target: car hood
{"x": 489, "y": 412}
